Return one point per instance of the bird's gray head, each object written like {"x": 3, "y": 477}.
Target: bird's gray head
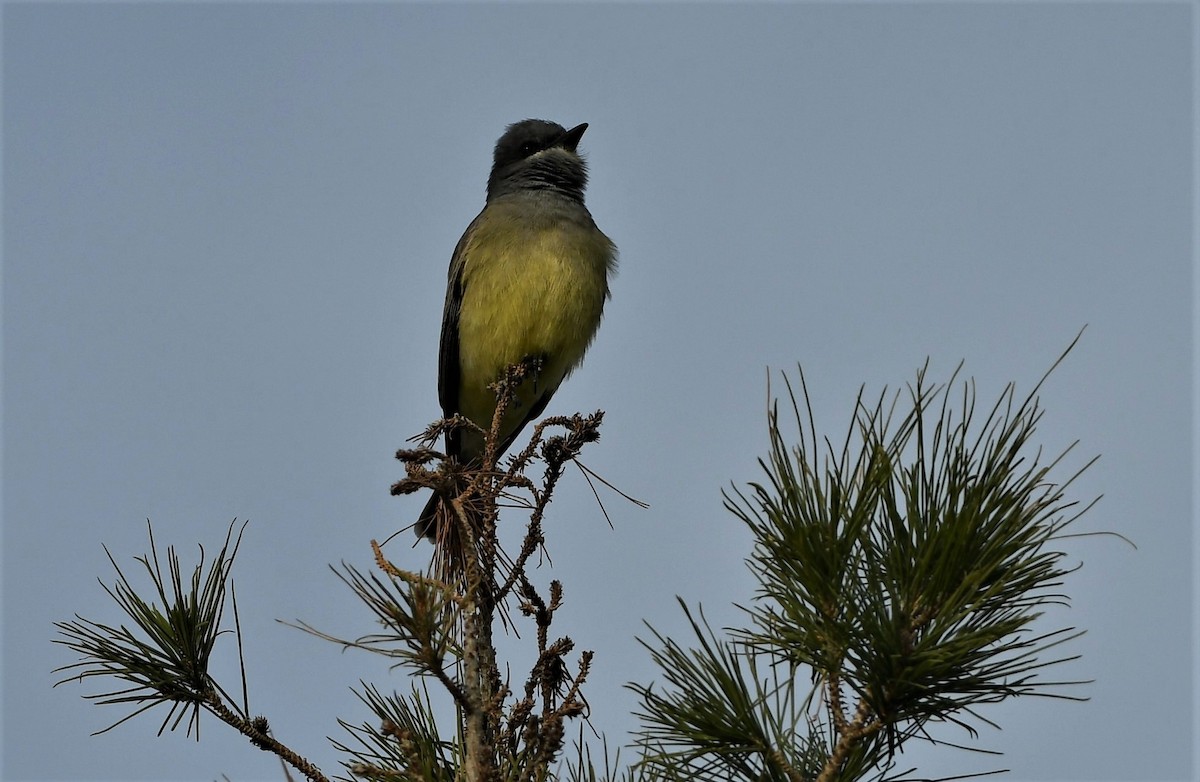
{"x": 534, "y": 154}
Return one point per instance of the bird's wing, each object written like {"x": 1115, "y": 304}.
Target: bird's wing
{"x": 449, "y": 369}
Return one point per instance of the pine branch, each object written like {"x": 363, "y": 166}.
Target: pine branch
{"x": 909, "y": 567}
{"x": 166, "y": 656}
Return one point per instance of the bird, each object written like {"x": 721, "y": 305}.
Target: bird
{"x": 528, "y": 281}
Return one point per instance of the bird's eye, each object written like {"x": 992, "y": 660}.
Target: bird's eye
{"x": 528, "y": 148}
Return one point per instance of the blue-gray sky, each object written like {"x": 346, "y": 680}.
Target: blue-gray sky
{"x": 226, "y": 230}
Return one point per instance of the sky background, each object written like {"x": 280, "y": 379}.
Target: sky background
{"x": 226, "y": 231}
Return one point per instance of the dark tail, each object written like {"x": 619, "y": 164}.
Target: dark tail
{"x": 438, "y": 523}
{"x": 426, "y": 525}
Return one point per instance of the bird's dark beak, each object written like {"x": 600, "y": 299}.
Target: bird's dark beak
{"x": 570, "y": 139}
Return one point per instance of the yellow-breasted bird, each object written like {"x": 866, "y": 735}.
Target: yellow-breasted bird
{"x": 528, "y": 280}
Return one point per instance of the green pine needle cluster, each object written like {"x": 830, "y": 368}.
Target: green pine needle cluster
{"x": 165, "y": 658}
{"x": 904, "y": 571}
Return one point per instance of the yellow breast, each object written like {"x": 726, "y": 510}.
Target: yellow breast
{"x": 531, "y": 288}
